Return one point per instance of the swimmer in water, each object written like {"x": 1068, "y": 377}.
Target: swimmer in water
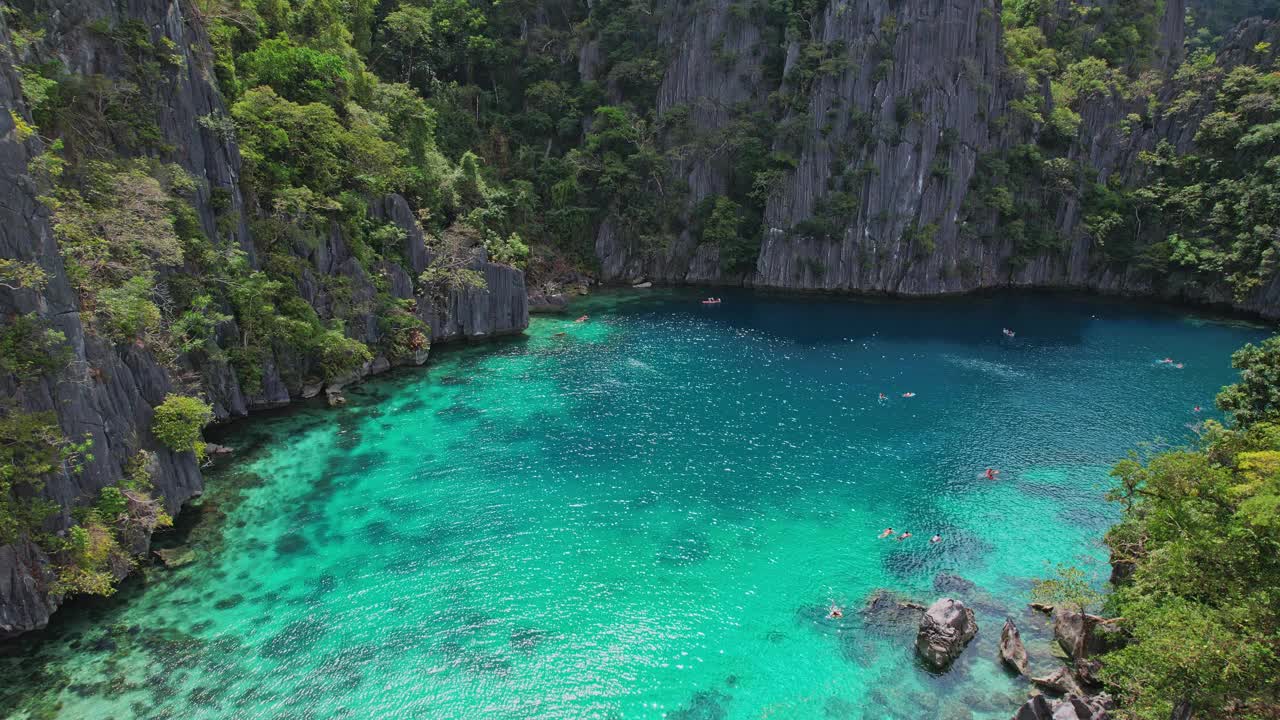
{"x": 883, "y": 397}
{"x": 904, "y": 536}
{"x": 935, "y": 539}
{"x": 835, "y": 613}
{"x": 908, "y": 395}
{"x": 1167, "y": 361}
{"x": 1178, "y": 365}
{"x": 887, "y": 532}
{"x": 1195, "y": 409}
{"x": 582, "y": 319}
{"x": 991, "y": 474}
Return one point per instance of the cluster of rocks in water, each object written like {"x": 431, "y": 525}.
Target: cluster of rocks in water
{"x": 1070, "y": 691}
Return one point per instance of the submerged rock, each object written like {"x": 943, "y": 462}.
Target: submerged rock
{"x": 945, "y": 630}
{"x": 885, "y": 608}
{"x": 1012, "y": 652}
{"x": 952, "y": 584}
{"x": 175, "y": 557}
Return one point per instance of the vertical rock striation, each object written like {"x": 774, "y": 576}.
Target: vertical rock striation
{"x": 107, "y": 392}
{"x": 920, "y": 92}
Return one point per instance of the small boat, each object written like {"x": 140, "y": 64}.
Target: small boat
{"x": 711, "y": 301}
{"x": 643, "y": 285}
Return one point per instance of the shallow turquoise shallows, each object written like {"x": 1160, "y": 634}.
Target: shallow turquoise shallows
{"x": 648, "y": 515}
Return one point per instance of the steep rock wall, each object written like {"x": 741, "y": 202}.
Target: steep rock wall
{"x": 940, "y": 67}
{"x": 108, "y": 392}
{"x": 105, "y": 394}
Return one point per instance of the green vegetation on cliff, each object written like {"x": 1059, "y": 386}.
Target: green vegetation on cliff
{"x": 1198, "y": 561}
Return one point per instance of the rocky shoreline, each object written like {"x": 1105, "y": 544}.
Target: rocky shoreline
{"x": 1060, "y": 667}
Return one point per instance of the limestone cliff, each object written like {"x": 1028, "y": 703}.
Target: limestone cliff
{"x": 107, "y": 392}
{"x": 920, "y": 91}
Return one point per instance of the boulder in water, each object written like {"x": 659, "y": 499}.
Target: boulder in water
{"x": 1012, "y": 652}
{"x": 945, "y": 630}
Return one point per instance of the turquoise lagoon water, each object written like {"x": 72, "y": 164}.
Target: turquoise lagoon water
{"x": 647, "y": 515}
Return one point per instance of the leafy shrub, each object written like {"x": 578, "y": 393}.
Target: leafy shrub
{"x": 178, "y": 421}
{"x": 29, "y": 349}
{"x": 340, "y": 355}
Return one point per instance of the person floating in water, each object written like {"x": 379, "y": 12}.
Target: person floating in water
{"x": 887, "y": 532}
{"x": 582, "y": 319}
{"x": 904, "y": 536}
{"x": 991, "y": 473}
{"x": 1195, "y": 409}
{"x": 1178, "y": 365}
{"x": 935, "y": 539}
{"x": 836, "y": 613}
{"x": 908, "y": 394}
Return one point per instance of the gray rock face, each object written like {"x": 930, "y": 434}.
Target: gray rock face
{"x": 1083, "y": 707}
{"x": 1059, "y": 682}
{"x": 1072, "y": 707}
{"x": 945, "y": 629}
{"x": 107, "y": 393}
{"x": 501, "y": 308}
{"x": 545, "y": 303}
{"x": 1082, "y": 635}
{"x": 1035, "y": 708}
{"x": 1012, "y": 651}
{"x": 941, "y": 64}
